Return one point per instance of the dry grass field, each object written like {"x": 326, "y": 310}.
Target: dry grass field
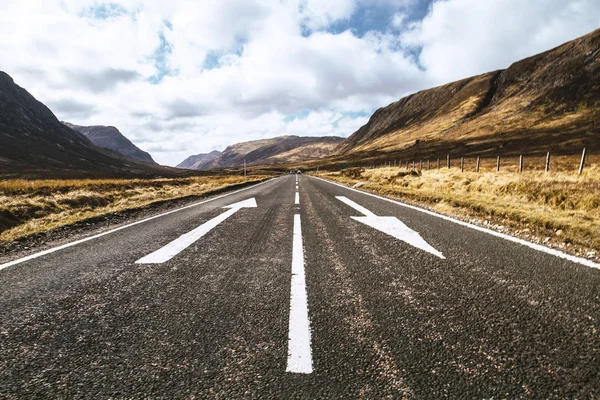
{"x": 32, "y": 206}
{"x": 559, "y": 208}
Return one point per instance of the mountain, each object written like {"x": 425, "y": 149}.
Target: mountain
{"x": 278, "y": 150}
{"x": 199, "y": 161}
{"x": 109, "y": 137}
{"x": 35, "y": 144}
{"x": 548, "y": 102}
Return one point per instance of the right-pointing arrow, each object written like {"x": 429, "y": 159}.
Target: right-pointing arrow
{"x": 391, "y": 226}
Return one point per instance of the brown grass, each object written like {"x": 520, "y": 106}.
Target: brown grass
{"x": 29, "y": 207}
{"x": 559, "y": 207}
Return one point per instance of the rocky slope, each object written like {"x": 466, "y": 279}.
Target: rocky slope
{"x": 278, "y": 150}
{"x": 199, "y": 161}
{"x": 109, "y": 137}
{"x": 35, "y": 144}
{"x": 548, "y": 102}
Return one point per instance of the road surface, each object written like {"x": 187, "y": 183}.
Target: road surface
{"x": 299, "y": 288}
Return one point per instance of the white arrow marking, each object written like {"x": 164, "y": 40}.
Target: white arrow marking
{"x": 391, "y": 226}
{"x": 184, "y": 241}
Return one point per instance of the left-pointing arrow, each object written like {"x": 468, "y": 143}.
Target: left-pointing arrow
{"x": 184, "y": 241}
{"x": 391, "y": 226}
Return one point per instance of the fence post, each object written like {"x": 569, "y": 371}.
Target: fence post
{"x": 428, "y": 165}
{"x": 582, "y": 163}
{"x": 413, "y": 165}
{"x": 462, "y": 164}
{"x": 521, "y": 163}
{"x": 448, "y": 161}
{"x": 498, "y": 164}
{"x": 420, "y": 165}
{"x": 547, "y": 163}
{"x": 438, "y": 164}
{"x": 477, "y": 166}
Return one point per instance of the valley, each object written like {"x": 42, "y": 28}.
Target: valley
{"x": 300, "y": 200}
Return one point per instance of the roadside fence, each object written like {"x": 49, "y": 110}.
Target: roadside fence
{"x": 498, "y": 163}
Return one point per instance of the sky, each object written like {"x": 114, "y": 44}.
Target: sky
{"x": 183, "y": 77}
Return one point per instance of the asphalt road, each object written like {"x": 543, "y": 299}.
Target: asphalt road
{"x": 413, "y": 306}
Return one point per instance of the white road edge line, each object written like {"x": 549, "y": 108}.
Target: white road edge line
{"x": 299, "y": 352}
{"x": 64, "y": 246}
{"x": 543, "y": 249}
{"x": 297, "y": 198}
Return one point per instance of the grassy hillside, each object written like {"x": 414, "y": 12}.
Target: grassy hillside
{"x": 548, "y": 102}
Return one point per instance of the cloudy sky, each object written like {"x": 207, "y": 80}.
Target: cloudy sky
{"x": 187, "y": 77}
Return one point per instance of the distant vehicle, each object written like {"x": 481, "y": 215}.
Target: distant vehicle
{"x": 298, "y": 172}
{"x": 292, "y": 171}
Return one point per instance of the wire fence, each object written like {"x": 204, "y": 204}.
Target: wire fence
{"x": 518, "y": 164}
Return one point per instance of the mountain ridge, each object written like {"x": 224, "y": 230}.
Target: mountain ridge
{"x": 35, "y": 144}
{"x": 272, "y": 151}
{"x": 543, "y": 102}
{"x": 199, "y": 161}
{"x": 111, "y": 138}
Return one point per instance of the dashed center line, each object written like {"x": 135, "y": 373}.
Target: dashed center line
{"x": 297, "y": 199}
{"x": 299, "y": 351}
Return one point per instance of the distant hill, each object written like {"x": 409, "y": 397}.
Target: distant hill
{"x": 278, "y": 150}
{"x": 548, "y": 102}
{"x": 109, "y": 137}
{"x": 35, "y": 144}
{"x": 199, "y": 161}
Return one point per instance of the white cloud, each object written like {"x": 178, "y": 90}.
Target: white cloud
{"x": 460, "y": 38}
{"x": 318, "y": 14}
{"x": 238, "y": 69}
{"x": 399, "y": 20}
